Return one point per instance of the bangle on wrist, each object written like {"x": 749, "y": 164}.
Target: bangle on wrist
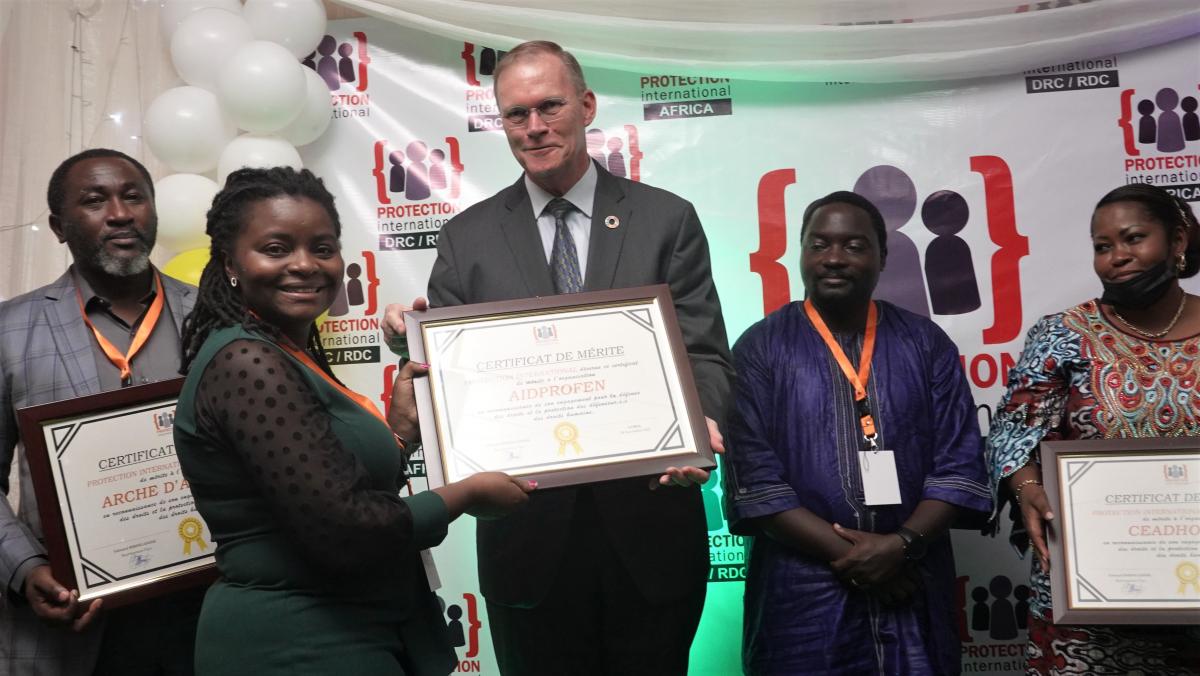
{"x": 1021, "y": 486}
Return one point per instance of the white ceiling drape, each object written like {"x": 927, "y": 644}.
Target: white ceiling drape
{"x": 809, "y": 40}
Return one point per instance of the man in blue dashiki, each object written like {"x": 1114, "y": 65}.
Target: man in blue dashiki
{"x": 836, "y": 585}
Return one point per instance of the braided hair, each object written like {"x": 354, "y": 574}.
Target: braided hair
{"x": 219, "y": 304}
{"x": 1170, "y": 211}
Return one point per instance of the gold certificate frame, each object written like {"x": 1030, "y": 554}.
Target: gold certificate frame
{"x": 117, "y": 515}
{"x": 562, "y": 389}
{"x": 1125, "y": 541}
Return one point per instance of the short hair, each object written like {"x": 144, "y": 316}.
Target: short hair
{"x": 58, "y": 180}
{"x": 537, "y": 47}
{"x": 853, "y": 199}
{"x": 1169, "y": 211}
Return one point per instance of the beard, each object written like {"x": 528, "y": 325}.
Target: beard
{"x": 96, "y": 256}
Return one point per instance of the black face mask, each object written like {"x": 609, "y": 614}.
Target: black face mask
{"x": 1143, "y": 289}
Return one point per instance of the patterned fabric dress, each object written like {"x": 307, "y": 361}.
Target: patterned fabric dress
{"x": 1081, "y": 377}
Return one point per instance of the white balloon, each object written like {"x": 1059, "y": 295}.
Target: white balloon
{"x": 316, "y": 114}
{"x": 182, "y": 201}
{"x": 256, "y": 150}
{"x": 204, "y": 42}
{"x": 171, "y": 12}
{"x": 296, "y": 24}
{"x": 262, "y": 87}
{"x": 184, "y": 127}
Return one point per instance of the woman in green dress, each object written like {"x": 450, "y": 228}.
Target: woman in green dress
{"x": 297, "y": 477}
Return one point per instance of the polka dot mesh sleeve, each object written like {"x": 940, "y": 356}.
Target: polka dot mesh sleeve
{"x": 253, "y": 400}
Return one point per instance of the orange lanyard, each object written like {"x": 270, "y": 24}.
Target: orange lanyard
{"x": 149, "y": 321}
{"x": 362, "y": 400}
{"x": 857, "y": 379}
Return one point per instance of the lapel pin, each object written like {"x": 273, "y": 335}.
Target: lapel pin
{"x": 611, "y": 222}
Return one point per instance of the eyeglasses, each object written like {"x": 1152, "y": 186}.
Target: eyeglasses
{"x": 549, "y": 110}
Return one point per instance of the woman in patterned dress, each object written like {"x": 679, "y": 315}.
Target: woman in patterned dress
{"x": 1124, "y": 366}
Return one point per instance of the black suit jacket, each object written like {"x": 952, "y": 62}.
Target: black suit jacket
{"x": 492, "y": 251}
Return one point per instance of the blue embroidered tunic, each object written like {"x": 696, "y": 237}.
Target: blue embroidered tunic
{"x": 793, "y": 442}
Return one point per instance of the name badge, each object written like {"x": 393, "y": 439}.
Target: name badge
{"x": 881, "y": 486}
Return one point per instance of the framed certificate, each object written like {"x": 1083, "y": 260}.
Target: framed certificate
{"x": 1125, "y": 541}
{"x": 117, "y": 514}
{"x": 562, "y": 389}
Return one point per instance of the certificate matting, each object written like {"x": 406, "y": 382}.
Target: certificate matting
{"x": 1125, "y": 541}
{"x": 563, "y": 389}
{"x": 117, "y": 515}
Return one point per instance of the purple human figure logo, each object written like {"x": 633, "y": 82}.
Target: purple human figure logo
{"x": 327, "y": 66}
{"x": 1022, "y": 593}
{"x": 1191, "y": 121}
{"x": 458, "y": 637}
{"x": 1147, "y": 127}
{"x": 354, "y": 287}
{"x": 396, "y": 174}
{"x": 416, "y": 178}
{"x": 1170, "y": 127}
{"x": 487, "y": 60}
{"x": 346, "y": 64}
{"x": 616, "y": 159}
{"x": 340, "y": 307}
{"x": 1004, "y": 617}
{"x": 595, "y": 145}
{"x": 893, "y": 193}
{"x": 953, "y": 289}
{"x": 437, "y": 169}
{"x": 981, "y": 616}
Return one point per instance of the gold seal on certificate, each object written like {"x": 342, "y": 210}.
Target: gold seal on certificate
{"x": 1188, "y": 574}
{"x": 191, "y": 530}
{"x": 1125, "y": 540}
{"x": 564, "y": 389}
{"x": 567, "y": 434}
{"x": 117, "y": 514}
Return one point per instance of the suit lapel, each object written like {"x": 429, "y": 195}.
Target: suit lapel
{"x": 520, "y": 230}
{"x": 180, "y": 298}
{"x": 71, "y": 336}
{"x": 604, "y": 243}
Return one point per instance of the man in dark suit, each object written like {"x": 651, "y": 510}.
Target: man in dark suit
{"x": 102, "y": 206}
{"x": 607, "y": 578}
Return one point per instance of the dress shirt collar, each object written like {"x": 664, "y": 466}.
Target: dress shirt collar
{"x": 582, "y": 194}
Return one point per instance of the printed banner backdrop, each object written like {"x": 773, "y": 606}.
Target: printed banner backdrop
{"x": 986, "y": 187}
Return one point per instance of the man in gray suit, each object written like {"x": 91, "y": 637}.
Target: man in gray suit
{"x": 102, "y": 206}
{"x": 607, "y": 578}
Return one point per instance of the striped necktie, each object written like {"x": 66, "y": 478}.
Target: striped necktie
{"x": 564, "y": 259}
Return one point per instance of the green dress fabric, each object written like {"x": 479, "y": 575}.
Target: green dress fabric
{"x": 320, "y": 571}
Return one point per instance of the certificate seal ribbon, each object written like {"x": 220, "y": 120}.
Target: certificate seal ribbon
{"x": 567, "y": 434}
{"x": 191, "y": 530}
{"x": 1188, "y": 574}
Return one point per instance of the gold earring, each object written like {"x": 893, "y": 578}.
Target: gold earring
{"x": 233, "y": 282}
{"x": 1182, "y": 263}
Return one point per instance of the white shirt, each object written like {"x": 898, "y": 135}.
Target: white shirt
{"x": 579, "y": 221}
